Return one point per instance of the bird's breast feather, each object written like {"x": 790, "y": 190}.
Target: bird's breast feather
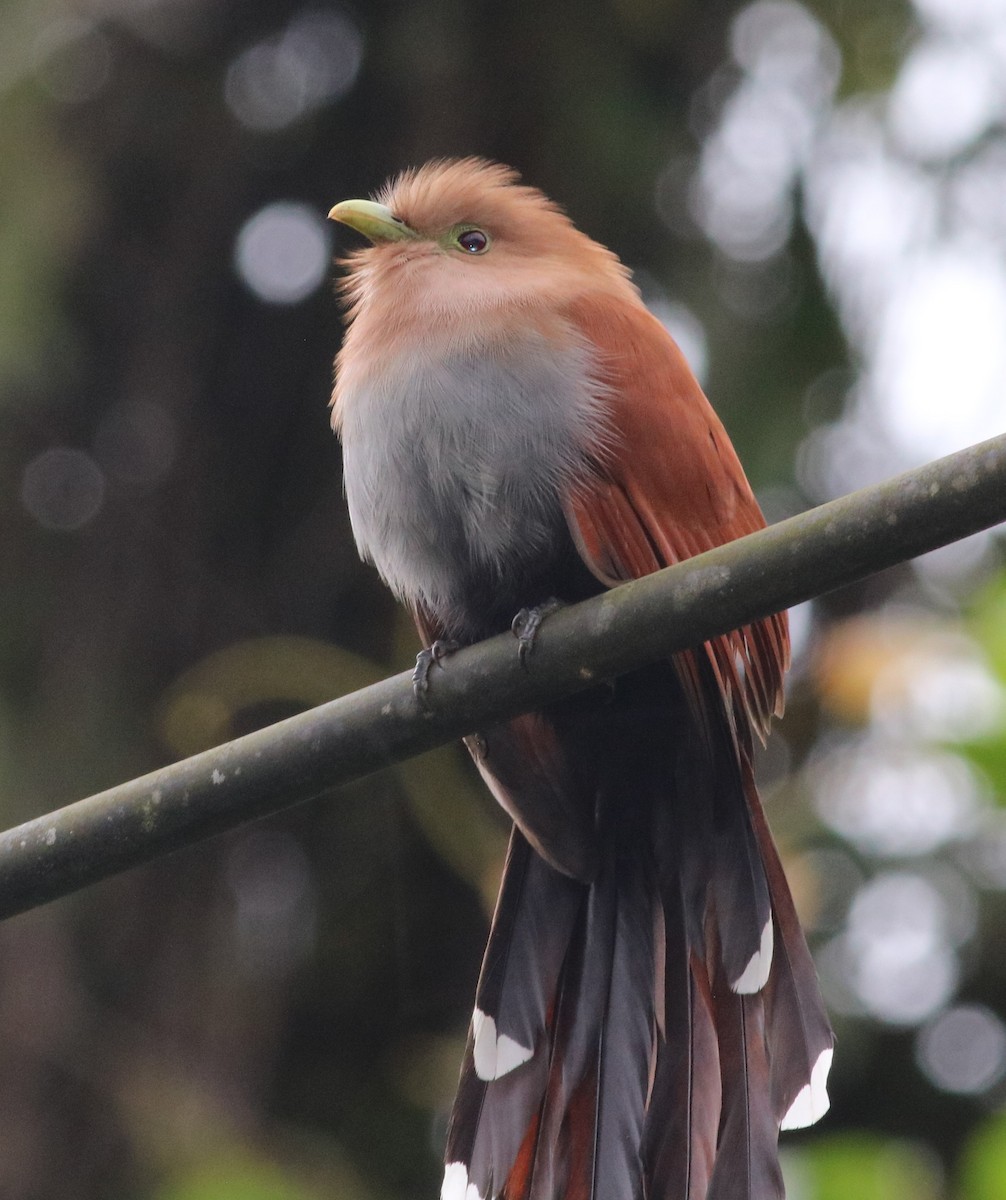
{"x": 459, "y": 459}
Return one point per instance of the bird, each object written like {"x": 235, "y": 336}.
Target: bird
{"x": 519, "y": 431}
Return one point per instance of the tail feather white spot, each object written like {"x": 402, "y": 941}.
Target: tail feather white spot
{"x": 494, "y": 1055}
{"x": 755, "y": 975}
{"x": 456, "y": 1185}
{"x": 812, "y": 1100}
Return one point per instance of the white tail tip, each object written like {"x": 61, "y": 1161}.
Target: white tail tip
{"x": 494, "y": 1055}
{"x": 755, "y": 975}
{"x": 812, "y": 1100}
{"x": 456, "y": 1185}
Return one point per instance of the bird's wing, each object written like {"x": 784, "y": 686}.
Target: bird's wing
{"x": 668, "y": 486}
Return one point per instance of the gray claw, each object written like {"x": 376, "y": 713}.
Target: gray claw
{"x": 425, "y": 661}
{"x": 526, "y": 624}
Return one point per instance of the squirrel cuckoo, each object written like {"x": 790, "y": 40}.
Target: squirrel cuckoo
{"x": 517, "y": 428}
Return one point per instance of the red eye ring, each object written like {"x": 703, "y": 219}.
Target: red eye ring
{"x": 473, "y": 241}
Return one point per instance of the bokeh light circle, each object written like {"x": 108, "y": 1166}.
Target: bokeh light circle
{"x": 282, "y": 252}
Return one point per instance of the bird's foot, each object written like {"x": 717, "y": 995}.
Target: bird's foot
{"x": 526, "y": 624}
{"x": 425, "y": 662}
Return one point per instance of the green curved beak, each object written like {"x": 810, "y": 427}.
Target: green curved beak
{"x": 374, "y": 221}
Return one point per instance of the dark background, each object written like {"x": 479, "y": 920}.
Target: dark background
{"x": 280, "y": 1013}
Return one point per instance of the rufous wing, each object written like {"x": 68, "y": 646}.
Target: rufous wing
{"x": 668, "y": 485}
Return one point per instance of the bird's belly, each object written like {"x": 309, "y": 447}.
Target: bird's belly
{"x": 454, "y": 479}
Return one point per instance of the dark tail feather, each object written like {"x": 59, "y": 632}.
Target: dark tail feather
{"x": 743, "y": 909}
{"x": 740, "y": 893}
{"x": 532, "y": 925}
{"x": 747, "y": 1158}
{"x": 712, "y": 833}
{"x": 627, "y": 1047}
{"x": 599, "y": 1079}
{"x": 506, "y": 1059}
{"x": 797, "y": 1029}
{"x": 679, "y": 1145}
{"x": 650, "y": 1073}
{"x": 490, "y": 1128}
{"x": 567, "y": 1121}
{"x": 563, "y": 1164}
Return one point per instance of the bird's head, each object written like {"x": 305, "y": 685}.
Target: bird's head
{"x": 458, "y": 240}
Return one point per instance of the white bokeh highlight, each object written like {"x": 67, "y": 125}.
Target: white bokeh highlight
{"x": 903, "y": 196}
{"x": 742, "y": 193}
{"x": 895, "y": 955}
{"x": 963, "y": 17}
{"x": 283, "y": 79}
{"x": 946, "y": 95}
{"x": 963, "y": 1050}
{"x": 282, "y": 253}
{"x": 938, "y": 377}
{"x": 894, "y": 800}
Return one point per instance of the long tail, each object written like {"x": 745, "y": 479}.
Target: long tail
{"x": 646, "y": 1036}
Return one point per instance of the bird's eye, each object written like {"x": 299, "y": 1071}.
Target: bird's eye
{"x": 474, "y": 241}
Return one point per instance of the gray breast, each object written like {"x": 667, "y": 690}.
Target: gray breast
{"x": 456, "y": 466}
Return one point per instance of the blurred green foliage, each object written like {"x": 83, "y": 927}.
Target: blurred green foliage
{"x": 988, "y": 620}
{"x": 868, "y": 1167}
{"x": 987, "y": 623}
{"x": 983, "y": 1164}
{"x": 234, "y": 1181}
